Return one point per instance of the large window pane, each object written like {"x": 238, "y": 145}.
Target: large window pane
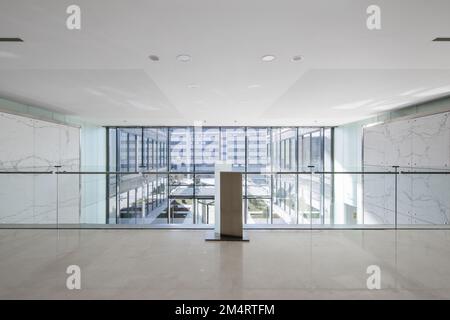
{"x": 181, "y": 149}
{"x": 316, "y": 150}
{"x": 181, "y": 211}
{"x": 258, "y": 211}
{"x": 112, "y": 178}
{"x": 155, "y": 149}
{"x": 204, "y": 211}
{"x": 258, "y": 185}
{"x": 233, "y": 147}
{"x": 205, "y": 185}
{"x": 258, "y": 149}
{"x": 123, "y": 150}
{"x": 304, "y": 199}
{"x": 190, "y": 155}
{"x": 284, "y": 142}
{"x": 328, "y": 178}
{"x": 206, "y": 148}
{"x": 285, "y": 199}
{"x": 181, "y": 185}
{"x": 306, "y": 148}
{"x": 156, "y": 212}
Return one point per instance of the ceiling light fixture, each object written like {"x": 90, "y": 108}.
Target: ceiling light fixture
{"x": 441, "y": 39}
{"x": 297, "y": 58}
{"x": 153, "y": 57}
{"x": 184, "y": 58}
{"x": 268, "y": 58}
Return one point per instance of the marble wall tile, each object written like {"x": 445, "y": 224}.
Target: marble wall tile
{"x": 69, "y": 154}
{"x": 389, "y": 199}
{"x": 374, "y": 199}
{"x": 16, "y": 198}
{"x": 69, "y": 198}
{"x": 431, "y": 139}
{"x": 16, "y": 139}
{"x": 430, "y": 199}
{"x": 44, "y": 199}
{"x": 30, "y": 144}
{"x": 420, "y": 144}
{"x": 374, "y": 152}
{"x": 397, "y": 144}
{"x": 46, "y": 145}
{"x": 379, "y": 200}
{"x": 404, "y": 199}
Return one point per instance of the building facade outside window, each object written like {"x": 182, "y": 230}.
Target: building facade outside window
{"x": 275, "y": 162}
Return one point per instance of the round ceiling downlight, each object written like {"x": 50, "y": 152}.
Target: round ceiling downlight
{"x": 268, "y": 58}
{"x": 297, "y": 58}
{"x": 153, "y": 57}
{"x": 184, "y": 58}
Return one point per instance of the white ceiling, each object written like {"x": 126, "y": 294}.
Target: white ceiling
{"x": 102, "y": 72}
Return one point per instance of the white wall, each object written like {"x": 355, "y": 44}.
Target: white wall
{"x": 348, "y": 187}
{"x": 422, "y": 144}
{"x": 93, "y": 158}
{"x": 93, "y": 187}
{"x": 348, "y": 156}
{"x": 36, "y": 145}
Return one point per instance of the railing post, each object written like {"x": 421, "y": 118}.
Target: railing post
{"x": 396, "y": 194}
{"x": 311, "y": 168}
{"x": 57, "y": 195}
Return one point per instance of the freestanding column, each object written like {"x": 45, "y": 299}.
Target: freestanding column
{"x": 231, "y": 204}
{"x": 228, "y": 206}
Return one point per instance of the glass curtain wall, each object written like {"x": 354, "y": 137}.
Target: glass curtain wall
{"x": 275, "y": 161}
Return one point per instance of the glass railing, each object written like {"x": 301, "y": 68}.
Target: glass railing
{"x": 375, "y": 197}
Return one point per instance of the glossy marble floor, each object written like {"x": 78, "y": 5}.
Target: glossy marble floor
{"x": 179, "y": 264}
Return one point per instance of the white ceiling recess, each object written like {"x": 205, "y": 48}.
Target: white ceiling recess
{"x": 103, "y": 73}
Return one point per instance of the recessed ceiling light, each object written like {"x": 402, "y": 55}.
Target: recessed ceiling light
{"x": 442, "y": 39}
{"x": 153, "y": 57}
{"x": 193, "y": 86}
{"x": 184, "y": 58}
{"x": 254, "y": 86}
{"x": 297, "y": 58}
{"x": 268, "y": 58}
